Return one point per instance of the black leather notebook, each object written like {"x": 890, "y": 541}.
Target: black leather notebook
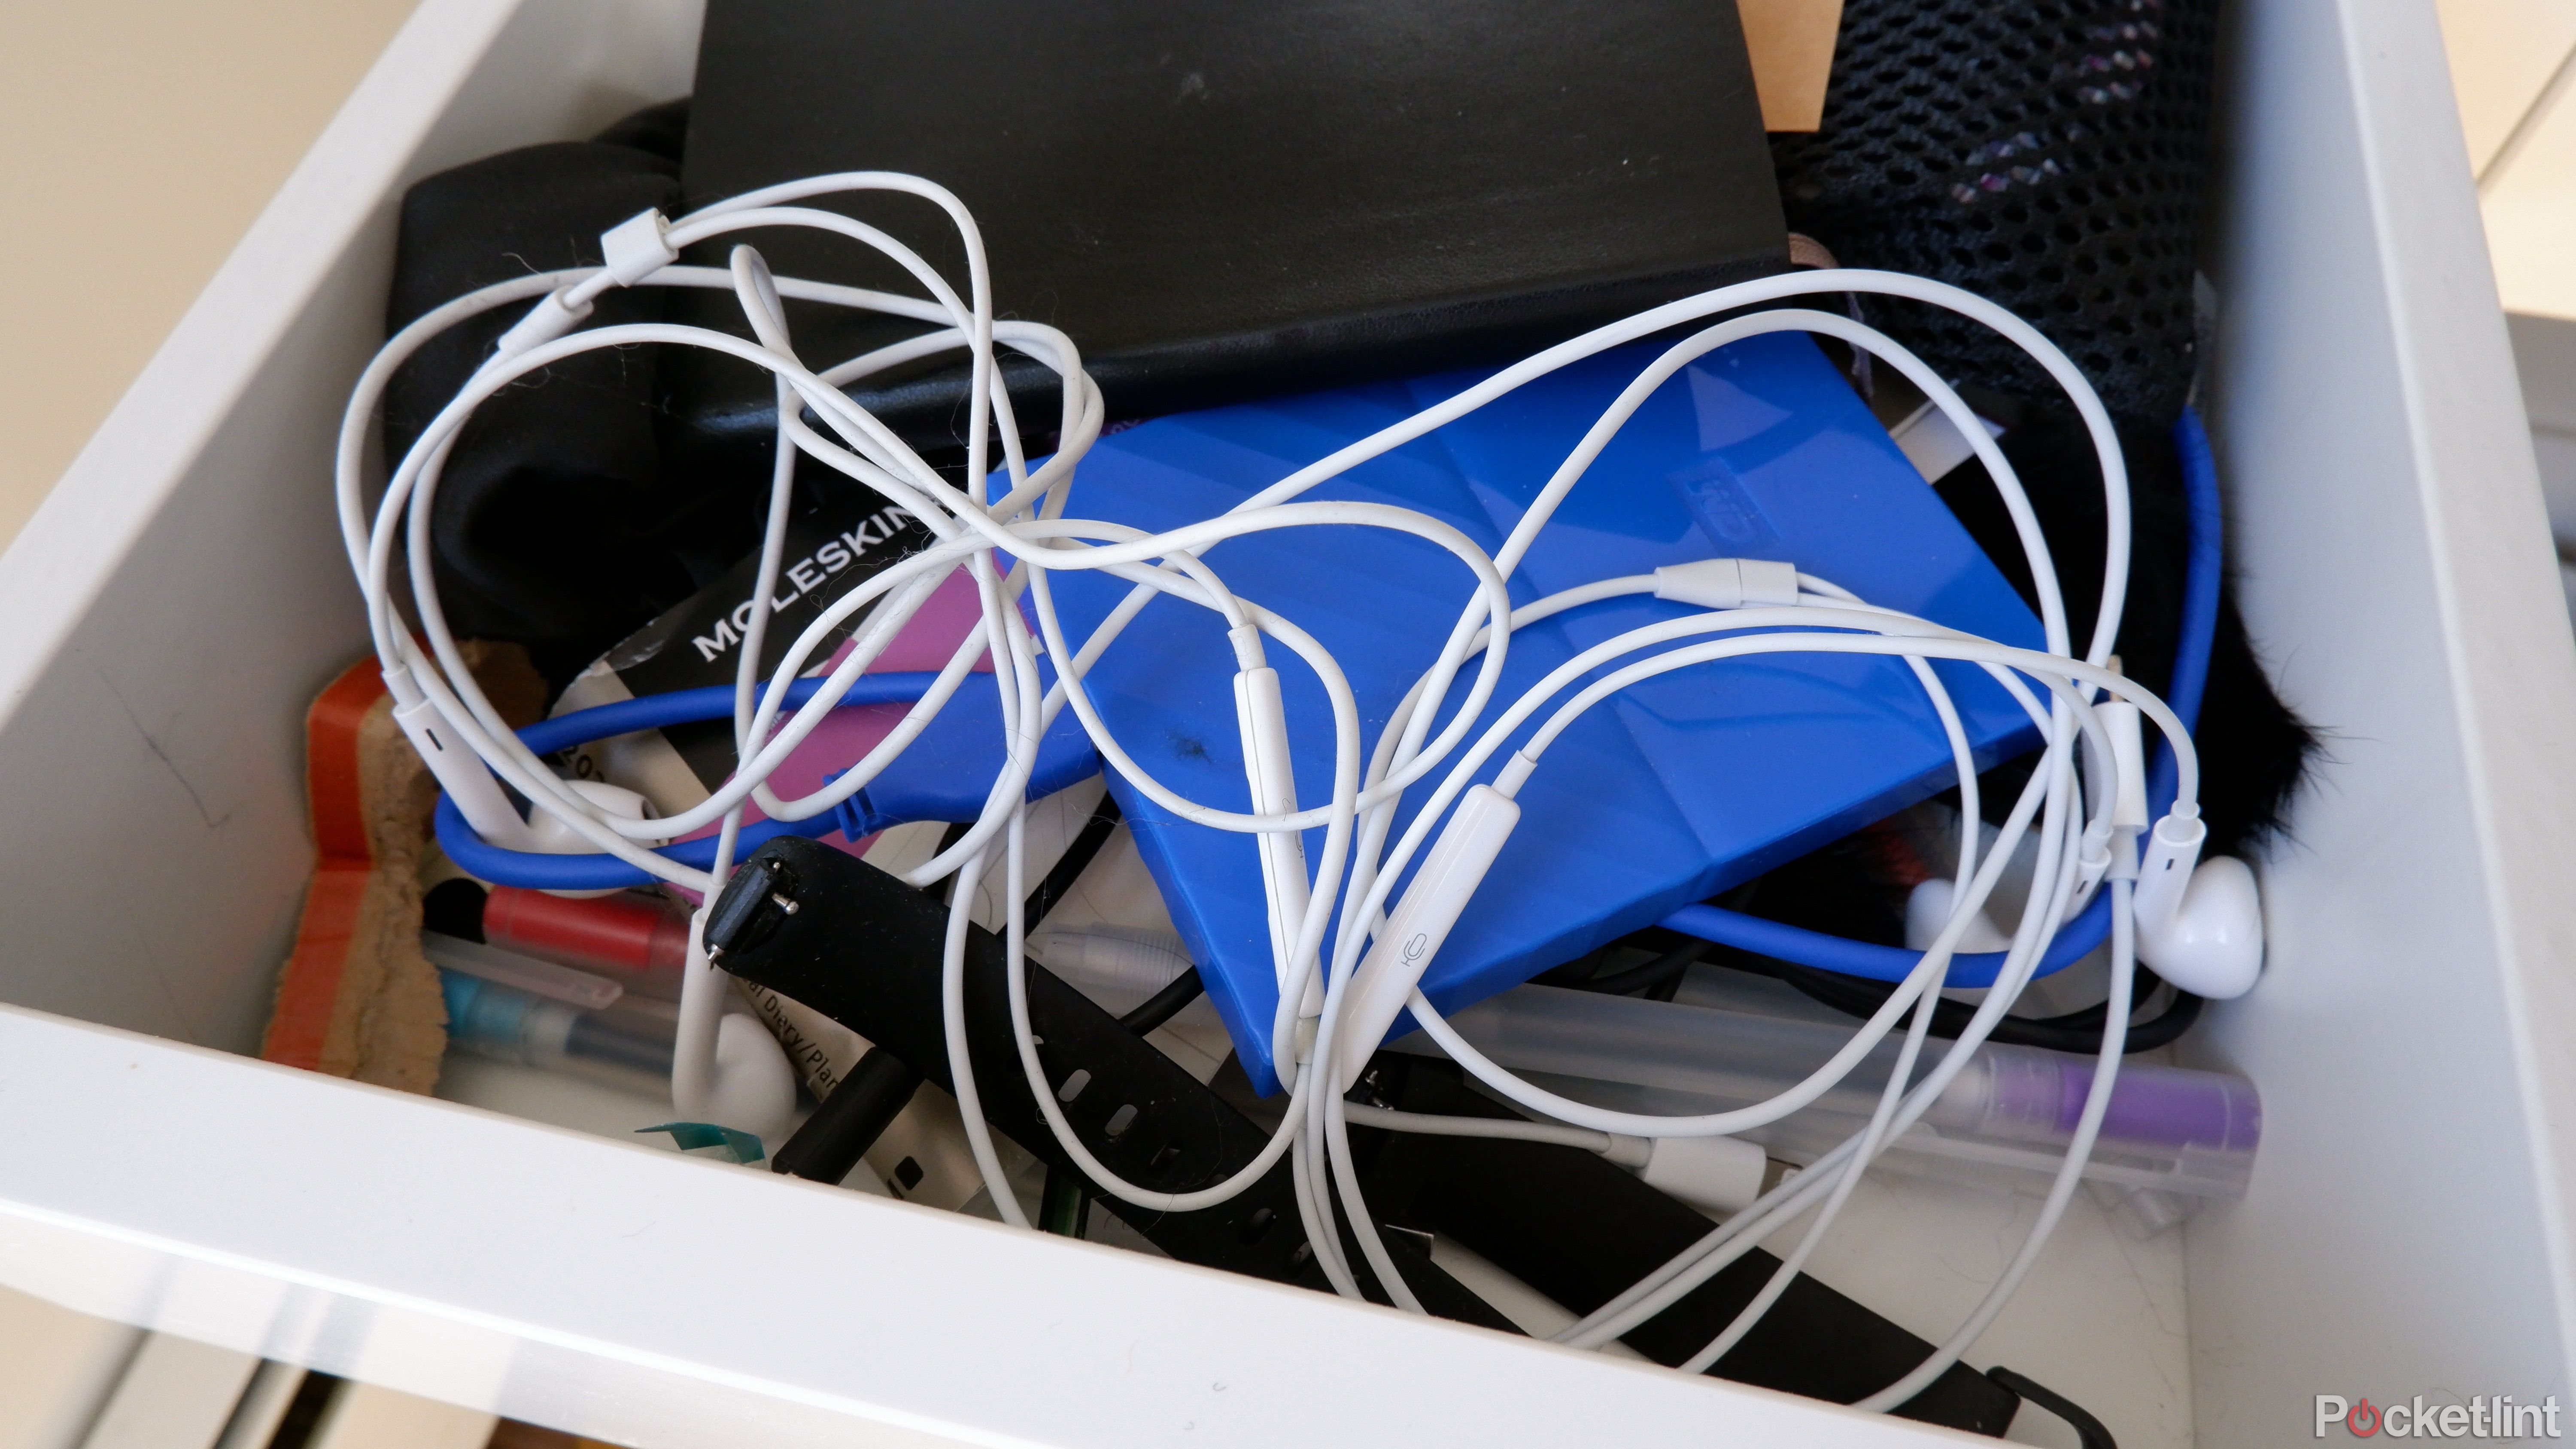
{"x": 1219, "y": 200}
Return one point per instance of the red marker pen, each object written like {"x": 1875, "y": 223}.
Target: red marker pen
{"x": 637, "y": 939}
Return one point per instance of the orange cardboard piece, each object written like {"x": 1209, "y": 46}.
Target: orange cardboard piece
{"x": 300, "y": 1030}
{"x": 357, "y": 998}
{"x": 1792, "y": 46}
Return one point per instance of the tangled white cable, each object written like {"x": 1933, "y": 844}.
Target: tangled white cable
{"x": 2086, "y": 801}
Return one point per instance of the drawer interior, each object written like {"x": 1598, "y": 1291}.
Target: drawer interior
{"x": 2402, "y": 1234}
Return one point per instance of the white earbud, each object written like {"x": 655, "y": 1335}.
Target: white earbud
{"x": 754, "y": 1087}
{"x": 547, "y": 833}
{"x": 726, "y": 1068}
{"x": 2213, "y": 945}
{"x": 1927, "y": 910}
{"x": 2200, "y": 928}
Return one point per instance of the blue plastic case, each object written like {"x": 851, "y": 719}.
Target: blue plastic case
{"x": 1669, "y": 793}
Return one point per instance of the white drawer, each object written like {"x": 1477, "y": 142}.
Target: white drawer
{"x": 180, "y": 598}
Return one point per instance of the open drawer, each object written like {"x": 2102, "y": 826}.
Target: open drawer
{"x": 181, "y": 597}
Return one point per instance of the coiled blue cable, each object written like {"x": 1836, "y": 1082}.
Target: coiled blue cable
{"x": 2078, "y": 937}
{"x": 2199, "y": 624}
{"x": 483, "y": 860}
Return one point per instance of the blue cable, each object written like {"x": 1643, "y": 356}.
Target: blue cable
{"x": 689, "y": 706}
{"x": 1795, "y": 944}
{"x": 2199, "y": 633}
{"x": 1879, "y": 963}
{"x": 535, "y": 870}
{"x": 2078, "y": 937}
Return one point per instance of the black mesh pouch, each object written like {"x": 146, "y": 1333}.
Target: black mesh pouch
{"x": 2047, "y": 154}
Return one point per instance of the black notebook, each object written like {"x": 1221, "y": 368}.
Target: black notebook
{"x": 1225, "y": 200}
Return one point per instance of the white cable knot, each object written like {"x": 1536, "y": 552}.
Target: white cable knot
{"x": 1728, "y": 583}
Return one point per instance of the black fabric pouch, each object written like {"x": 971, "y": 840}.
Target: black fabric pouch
{"x": 555, "y": 523}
